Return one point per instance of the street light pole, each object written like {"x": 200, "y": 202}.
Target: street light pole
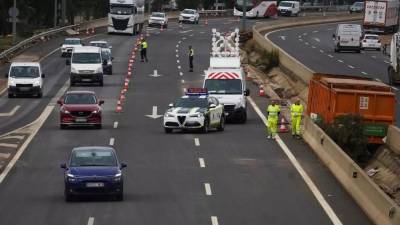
{"x": 244, "y": 9}
{"x": 55, "y": 12}
{"x": 63, "y": 12}
{"x": 14, "y": 23}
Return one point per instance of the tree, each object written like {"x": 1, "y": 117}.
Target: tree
{"x": 193, "y": 4}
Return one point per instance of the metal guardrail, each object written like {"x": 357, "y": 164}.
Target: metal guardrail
{"x": 327, "y": 8}
{"x": 216, "y": 12}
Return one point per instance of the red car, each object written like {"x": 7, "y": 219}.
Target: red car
{"x": 80, "y": 108}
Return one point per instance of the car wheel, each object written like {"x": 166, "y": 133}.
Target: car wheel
{"x": 101, "y": 83}
{"x": 378, "y": 49}
{"x": 119, "y": 196}
{"x": 168, "y": 130}
{"x": 358, "y": 51}
{"x": 68, "y": 197}
{"x": 71, "y": 83}
{"x": 243, "y": 119}
{"x": 98, "y": 126}
{"x": 205, "y": 126}
{"x": 63, "y": 126}
{"x": 39, "y": 95}
{"x": 221, "y": 126}
{"x": 10, "y": 95}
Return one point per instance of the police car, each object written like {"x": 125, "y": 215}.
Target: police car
{"x": 195, "y": 110}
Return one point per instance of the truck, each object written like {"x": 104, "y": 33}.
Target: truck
{"x": 394, "y": 67}
{"x": 126, "y": 16}
{"x": 225, "y": 79}
{"x": 332, "y": 95}
{"x": 381, "y": 16}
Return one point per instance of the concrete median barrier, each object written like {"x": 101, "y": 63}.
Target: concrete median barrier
{"x": 393, "y": 139}
{"x": 376, "y": 204}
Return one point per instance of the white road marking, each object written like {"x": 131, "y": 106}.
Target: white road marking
{"x": 283, "y": 38}
{"x": 315, "y": 31}
{"x": 387, "y": 62}
{"x": 11, "y": 113}
{"x": 313, "y": 188}
{"x": 7, "y": 145}
{"x": 177, "y": 46}
{"x": 155, "y": 74}
{"x": 202, "y": 163}
{"x": 330, "y": 29}
{"x": 19, "y": 137}
{"x": 179, "y": 42}
{"x": 214, "y": 220}
{"x": 180, "y": 73}
{"x": 191, "y": 35}
{"x": 207, "y": 186}
{"x": 179, "y": 67}
{"x": 341, "y": 61}
{"x": 322, "y": 51}
{"x": 177, "y": 61}
{"x": 202, "y": 32}
{"x": 185, "y": 31}
{"x": 301, "y": 40}
{"x": 184, "y": 38}
{"x": 377, "y": 79}
{"x": 299, "y": 36}
{"x": 330, "y": 56}
{"x": 304, "y": 34}
{"x": 115, "y": 125}
{"x": 374, "y": 56}
{"x": 154, "y": 114}
{"x": 395, "y": 88}
{"x": 317, "y": 40}
{"x": 90, "y": 221}
{"x": 177, "y": 50}
{"x": 112, "y": 141}
{"x": 5, "y": 155}
{"x": 364, "y": 73}
{"x": 182, "y": 81}
{"x": 177, "y": 56}
{"x": 196, "y": 142}
{"x": 350, "y": 66}
{"x": 313, "y": 46}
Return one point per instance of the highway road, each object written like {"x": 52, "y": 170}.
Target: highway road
{"x": 233, "y": 177}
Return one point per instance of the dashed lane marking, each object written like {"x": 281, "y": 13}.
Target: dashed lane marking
{"x": 317, "y": 39}
{"x": 179, "y": 67}
{"x": 90, "y": 221}
{"x": 112, "y": 141}
{"x": 202, "y": 32}
{"x": 364, "y": 73}
{"x": 179, "y": 42}
{"x": 377, "y": 79}
{"x": 350, "y": 66}
{"x": 322, "y": 51}
{"x": 214, "y": 220}
{"x": 304, "y": 34}
{"x": 7, "y": 145}
{"x": 207, "y": 187}
{"x": 387, "y": 62}
{"x": 180, "y": 73}
{"x": 115, "y": 125}
{"x": 306, "y": 43}
{"x": 395, "y": 88}
{"x": 341, "y": 61}
{"x": 330, "y": 56}
{"x": 313, "y": 188}
{"x": 177, "y": 61}
{"x": 313, "y": 46}
{"x": 177, "y": 50}
{"x": 315, "y": 31}
{"x": 202, "y": 163}
{"x": 177, "y": 56}
{"x": 301, "y": 40}
{"x": 374, "y": 56}
{"x": 177, "y": 46}
{"x": 182, "y": 81}
{"x": 196, "y": 142}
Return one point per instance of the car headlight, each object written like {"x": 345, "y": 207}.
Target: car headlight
{"x": 73, "y": 70}
{"x": 169, "y": 115}
{"x": 99, "y": 70}
{"x": 65, "y": 111}
{"x": 181, "y": 17}
{"x": 96, "y": 111}
{"x": 36, "y": 83}
{"x": 11, "y": 82}
{"x": 197, "y": 115}
{"x": 117, "y": 177}
{"x": 109, "y": 62}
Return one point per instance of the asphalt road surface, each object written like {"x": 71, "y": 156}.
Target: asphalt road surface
{"x": 233, "y": 177}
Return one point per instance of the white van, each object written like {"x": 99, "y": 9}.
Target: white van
{"x": 348, "y": 37}
{"x": 86, "y": 65}
{"x": 25, "y": 78}
{"x": 289, "y": 8}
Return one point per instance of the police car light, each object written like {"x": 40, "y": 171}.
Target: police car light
{"x": 197, "y": 91}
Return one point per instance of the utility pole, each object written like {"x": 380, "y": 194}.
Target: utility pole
{"x": 63, "y": 12}
{"x": 14, "y": 23}
{"x": 244, "y": 9}
{"x": 55, "y": 13}
{"x": 149, "y": 6}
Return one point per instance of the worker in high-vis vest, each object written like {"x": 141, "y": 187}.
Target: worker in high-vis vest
{"x": 296, "y": 112}
{"x": 191, "y": 54}
{"x": 143, "y": 50}
{"x": 273, "y": 112}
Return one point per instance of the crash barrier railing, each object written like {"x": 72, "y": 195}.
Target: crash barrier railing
{"x": 326, "y": 8}
{"x": 225, "y": 12}
{"x": 28, "y": 42}
{"x": 375, "y": 203}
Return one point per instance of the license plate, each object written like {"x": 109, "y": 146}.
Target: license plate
{"x": 81, "y": 120}
{"x": 24, "y": 88}
{"x": 86, "y": 80}
{"x": 95, "y": 185}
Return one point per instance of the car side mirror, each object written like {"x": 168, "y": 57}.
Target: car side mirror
{"x": 59, "y": 102}
{"x": 68, "y": 62}
{"x": 171, "y": 105}
{"x": 105, "y": 62}
{"x": 333, "y": 35}
{"x": 63, "y": 166}
{"x": 123, "y": 165}
{"x": 101, "y": 102}
{"x": 247, "y": 92}
{"x": 212, "y": 106}
{"x": 43, "y": 75}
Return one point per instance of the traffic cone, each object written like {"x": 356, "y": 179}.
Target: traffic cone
{"x": 261, "y": 91}
{"x": 126, "y": 85}
{"x": 161, "y": 28}
{"x": 206, "y": 23}
{"x": 87, "y": 31}
{"x": 118, "y": 109}
{"x": 283, "y": 128}
{"x": 238, "y": 19}
{"x": 129, "y": 74}
{"x": 122, "y": 97}
{"x": 92, "y": 30}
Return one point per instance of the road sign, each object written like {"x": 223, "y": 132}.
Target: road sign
{"x": 11, "y": 20}
{"x": 13, "y": 12}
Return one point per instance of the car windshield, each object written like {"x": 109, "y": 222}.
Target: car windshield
{"x": 95, "y": 157}
{"x": 72, "y": 42}
{"x": 286, "y": 4}
{"x": 100, "y": 45}
{"x": 240, "y": 3}
{"x": 372, "y": 37}
{"x": 86, "y": 58}
{"x": 158, "y": 15}
{"x": 224, "y": 86}
{"x": 24, "y": 72}
{"x": 358, "y": 4}
{"x": 186, "y": 11}
{"x": 105, "y": 55}
{"x": 80, "y": 99}
{"x": 191, "y": 102}
{"x": 121, "y": 9}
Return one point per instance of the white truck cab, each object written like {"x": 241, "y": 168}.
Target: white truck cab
{"x": 86, "y": 65}
{"x": 289, "y": 8}
{"x": 25, "y": 78}
{"x": 225, "y": 78}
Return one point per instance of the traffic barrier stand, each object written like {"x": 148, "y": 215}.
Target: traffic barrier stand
{"x": 126, "y": 85}
{"x": 129, "y": 74}
{"x": 92, "y": 30}
{"x": 261, "y": 91}
{"x": 118, "y": 109}
{"x": 87, "y": 31}
{"x": 131, "y": 61}
{"x": 161, "y": 28}
{"x": 122, "y": 98}
{"x": 206, "y": 23}
{"x": 283, "y": 127}
{"x": 129, "y": 69}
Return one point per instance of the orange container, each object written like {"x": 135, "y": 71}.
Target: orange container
{"x": 331, "y": 95}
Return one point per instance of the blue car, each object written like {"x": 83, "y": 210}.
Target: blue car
{"x": 93, "y": 171}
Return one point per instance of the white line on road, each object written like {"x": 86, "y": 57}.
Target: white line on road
{"x": 377, "y": 79}
{"x": 374, "y": 57}
{"x": 304, "y": 34}
{"x": 322, "y": 51}
{"x": 299, "y": 36}
{"x": 307, "y": 43}
{"x": 364, "y": 73}
{"x": 395, "y": 88}
{"x": 115, "y": 125}
{"x": 196, "y": 142}
{"x": 317, "y": 39}
{"x": 313, "y": 188}
{"x": 180, "y": 74}
{"x": 177, "y": 56}
{"x": 214, "y": 220}
{"x": 179, "y": 67}
{"x": 207, "y": 186}
{"x": 179, "y": 42}
{"x": 5, "y": 155}
{"x": 313, "y": 46}
{"x": 341, "y": 61}
{"x": 315, "y": 31}
{"x": 350, "y": 66}
{"x": 330, "y": 56}
{"x": 19, "y": 137}
{"x": 7, "y": 145}
{"x": 182, "y": 81}
{"x": 202, "y": 163}
{"x": 177, "y": 46}
{"x": 387, "y": 62}
{"x": 301, "y": 40}
{"x": 177, "y": 50}
{"x": 283, "y": 38}
{"x": 177, "y": 61}
{"x": 202, "y": 32}
{"x": 11, "y": 113}
{"x": 90, "y": 221}
{"x": 112, "y": 141}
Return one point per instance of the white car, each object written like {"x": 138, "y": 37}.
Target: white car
{"x": 69, "y": 44}
{"x": 158, "y": 19}
{"x": 371, "y": 41}
{"x": 101, "y": 44}
{"x": 195, "y": 110}
{"x": 289, "y": 8}
{"x": 190, "y": 16}
{"x": 25, "y": 78}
